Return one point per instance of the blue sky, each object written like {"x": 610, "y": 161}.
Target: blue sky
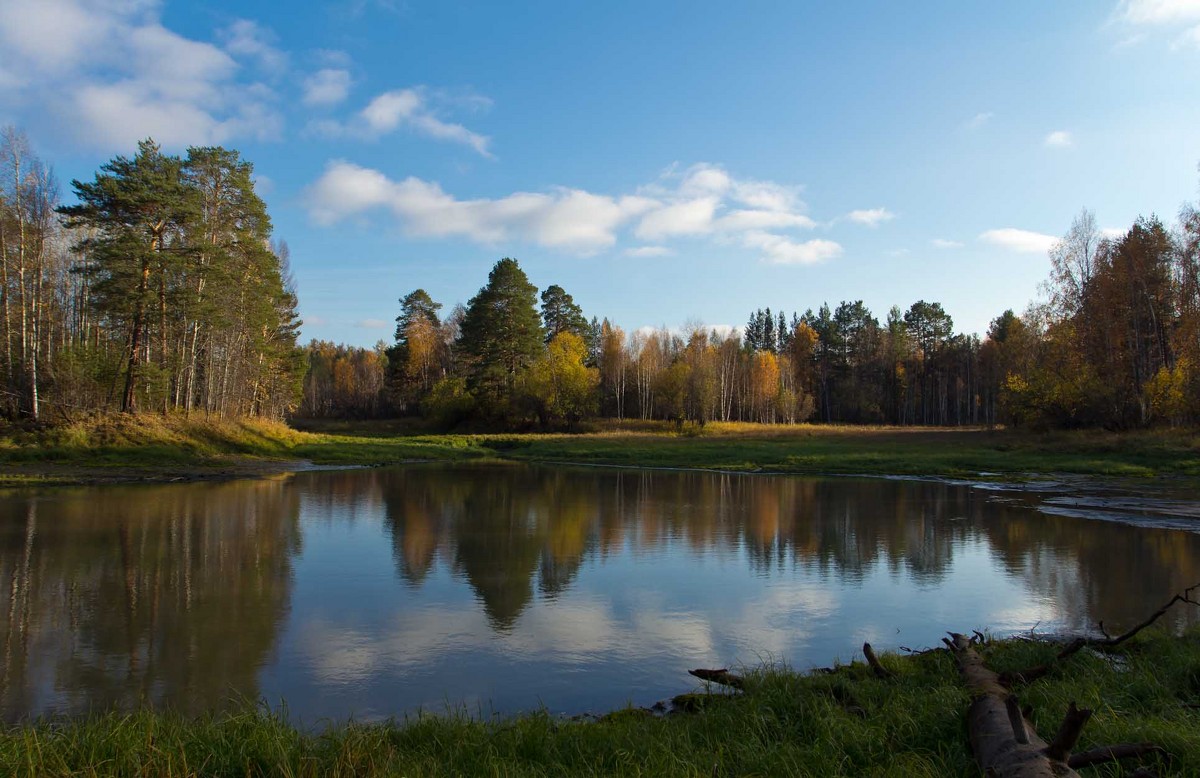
{"x": 665, "y": 163}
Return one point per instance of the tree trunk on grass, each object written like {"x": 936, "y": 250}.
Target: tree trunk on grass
{"x": 1003, "y": 740}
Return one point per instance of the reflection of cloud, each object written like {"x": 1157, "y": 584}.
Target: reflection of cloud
{"x": 340, "y": 653}
{"x": 586, "y": 627}
{"x": 771, "y": 625}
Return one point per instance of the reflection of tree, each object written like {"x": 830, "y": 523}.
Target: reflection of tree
{"x": 500, "y": 527}
{"x": 498, "y": 544}
{"x": 129, "y": 596}
{"x": 1099, "y": 570}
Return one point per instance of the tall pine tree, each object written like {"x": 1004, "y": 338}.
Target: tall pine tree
{"x": 501, "y": 332}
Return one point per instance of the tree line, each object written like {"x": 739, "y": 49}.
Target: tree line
{"x": 1113, "y": 342}
{"x": 158, "y": 289}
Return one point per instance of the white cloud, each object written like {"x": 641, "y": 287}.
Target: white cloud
{"x": 979, "y": 119}
{"x": 779, "y": 250}
{"x": 1159, "y": 11}
{"x": 943, "y": 243}
{"x": 705, "y": 180}
{"x": 1112, "y": 233}
{"x": 53, "y": 36}
{"x": 690, "y": 217}
{"x": 333, "y": 58}
{"x": 1163, "y": 14}
{"x": 412, "y": 108}
{"x": 707, "y": 202}
{"x": 372, "y": 324}
{"x": 648, "y": 251}
{"x": 566, "y": 218}
{"x": 872, "y": 217}
{"x": 746, "y": 219}
{"x": 110, "y": 72}
{"x": 1022, "y": 241}
{"x": 328, "y": 86}
{"x": 385, "y": 112}
{"x": 245, "y": 38}
{"x": 1059, "y": 139}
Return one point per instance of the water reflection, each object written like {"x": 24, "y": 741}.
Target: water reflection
{"x": 512, "y": 586}
{"x": 130, "y": 596}
{"x": 504, "y": 529}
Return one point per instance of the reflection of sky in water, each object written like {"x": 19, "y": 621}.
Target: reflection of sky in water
{"x": 375, "y": 593}
{"x": 626, "y": 630}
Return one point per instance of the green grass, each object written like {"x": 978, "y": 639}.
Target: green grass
{"x": 874, "y": 451}
{"x": 150, "y": 444}
{"x": 847, "y": 723}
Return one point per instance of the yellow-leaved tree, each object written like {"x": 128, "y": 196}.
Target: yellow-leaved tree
{"x": 561, "y": 387}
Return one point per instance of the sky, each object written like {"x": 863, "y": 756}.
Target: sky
{"x": 668, "y": 164}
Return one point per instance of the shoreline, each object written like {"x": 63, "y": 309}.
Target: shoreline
{"x": 113, "y": 450}
{"x": 900, "y": 715}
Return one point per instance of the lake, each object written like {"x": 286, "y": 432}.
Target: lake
{"x": 502, "y": 588}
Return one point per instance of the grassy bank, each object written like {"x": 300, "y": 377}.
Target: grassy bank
{"x": 120, "y": 447}
{"x": 845, "y": 723}
{"x": 123, "y": 447}
{"x": 875, "y": 450}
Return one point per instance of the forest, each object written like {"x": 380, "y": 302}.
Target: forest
{"x": 158, "y": 290}
{"x": 1113, "y": 342}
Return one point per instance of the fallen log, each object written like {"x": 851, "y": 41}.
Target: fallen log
{"x": 1003, "y": 740}
{"x": 722, "y": 677}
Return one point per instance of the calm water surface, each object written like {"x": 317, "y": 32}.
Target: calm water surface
{"x": 372, "y": 593}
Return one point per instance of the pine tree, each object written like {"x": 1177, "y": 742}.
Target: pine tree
{"x": 139, "y": 209}
{"x": 501, "y": 332}
{"x": 560, "y": 313}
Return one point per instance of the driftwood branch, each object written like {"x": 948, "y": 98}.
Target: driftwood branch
{"x": 1068, "y": 733}
{"x": 1033, "y": 673}
{"x": 1016, "y": 719}
{"x": 722, "y": 677}
{"x": 879, "y": 670}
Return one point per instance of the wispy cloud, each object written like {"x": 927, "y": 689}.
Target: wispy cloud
{"x": 414, "y": 108}
{"x": 245, "y": 38}
{"x": 943, "y": 243}
{"x": 1166, "y": 15}
{"x": 872, "y": 217}
{"x": 778, "y": 250}
{"x": 1159, "y": 11}
{"x": 1023, "y": 241}
{"x": 978, "y": 120}
{"x": 328, "y": 86}
{"x": 1059, "y": 139}
{"x": 372, "y": 324}
{"x": 648, "y": 251}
